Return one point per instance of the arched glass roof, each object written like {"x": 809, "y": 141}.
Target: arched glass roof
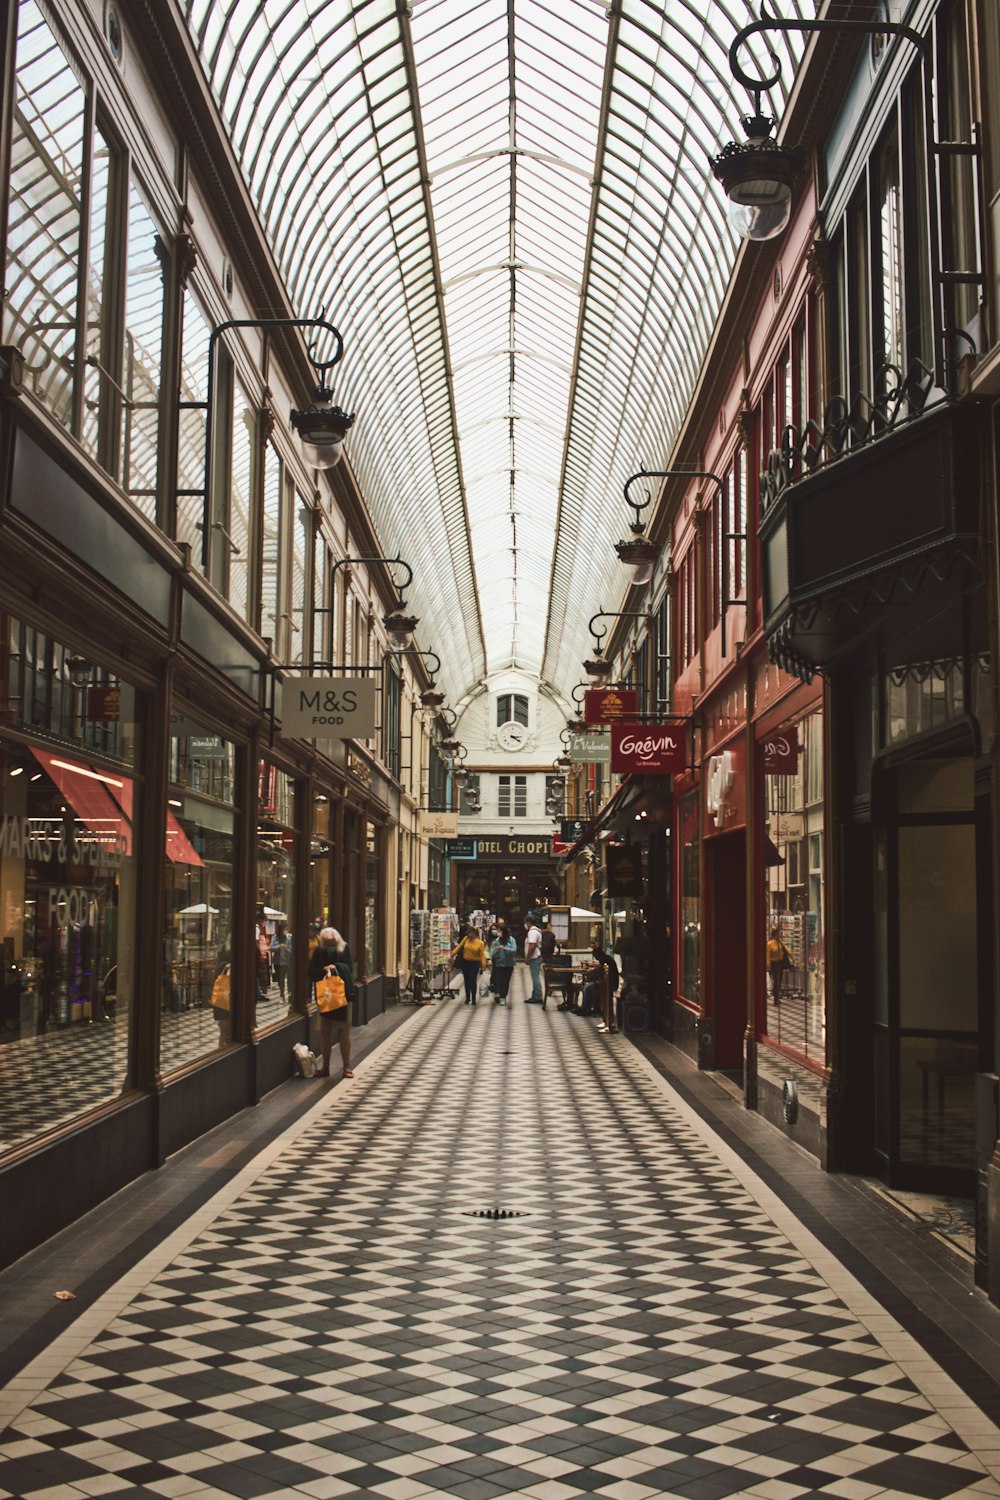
{"x": 506, "y": 208}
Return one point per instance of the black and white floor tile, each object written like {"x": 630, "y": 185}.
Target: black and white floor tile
{"x": 350, "y": 1318}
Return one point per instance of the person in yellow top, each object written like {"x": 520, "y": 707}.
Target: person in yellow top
{"x": 778, "y": 960}
{"x": 470, "y": 955}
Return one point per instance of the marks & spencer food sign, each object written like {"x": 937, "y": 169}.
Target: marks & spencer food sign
{"x": 328, "y": 708}
{"x": 649, "y": 749}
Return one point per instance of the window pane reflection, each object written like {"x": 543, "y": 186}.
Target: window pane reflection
{"x": 275, "y": 981}
{"x": 199, "y": 884}
{"x": 67, "y": 919}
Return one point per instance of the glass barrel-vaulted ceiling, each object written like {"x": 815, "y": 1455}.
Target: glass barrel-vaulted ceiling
{"x": 506, "y": 208}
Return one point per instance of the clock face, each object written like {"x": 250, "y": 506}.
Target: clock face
{"x": 512, "y": 736}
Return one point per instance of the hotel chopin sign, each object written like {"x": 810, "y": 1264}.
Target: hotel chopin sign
{"x": 513, "y": 848}
{"x": 648, "y": 749}
{"x": 328, "y": 708}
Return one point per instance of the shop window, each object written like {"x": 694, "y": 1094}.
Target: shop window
{"x": 274, "y": 979}
{"x": 795, "y": 896}
{"x": 199, "y": 886}
{"x": 69, "y": 814}
{"x": 320, "y": 866}
{"x": 373, "y": 885}
{"x": 690, "y": 913}
{"x": 922, "y": 696}
{"x": 45, "y": 218}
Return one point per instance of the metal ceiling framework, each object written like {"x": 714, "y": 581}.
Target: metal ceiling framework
{"x": 506, "y": 208}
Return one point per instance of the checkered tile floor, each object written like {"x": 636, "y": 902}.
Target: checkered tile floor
{"x": 340, "y": 1321}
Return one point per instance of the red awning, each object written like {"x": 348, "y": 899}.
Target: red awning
{"x": 89, "y": 793}
{"x": 104, "y": 802}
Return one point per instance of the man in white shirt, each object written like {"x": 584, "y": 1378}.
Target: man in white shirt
{"x": 533, "y": 953}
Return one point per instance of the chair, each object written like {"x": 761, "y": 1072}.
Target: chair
{"x": 559, "y": 978}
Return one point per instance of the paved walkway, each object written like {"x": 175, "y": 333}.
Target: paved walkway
{"x": 348, "y": 1316}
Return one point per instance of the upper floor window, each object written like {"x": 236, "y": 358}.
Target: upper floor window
{"x": 45, "y": 222}
{"x": 92, "y": 345}
{"x": 512, "y": 708}
{"x": 512, "y": 797}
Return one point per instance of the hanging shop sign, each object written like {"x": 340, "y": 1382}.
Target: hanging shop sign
{"x": 718, "y": 786}
{"x": 623, "y": 863}
{"x": 439, "y": 825}
{"x": 781, "y": 753}
{"x": 570, "y": 829}
{"x": 328, "y": 708}
{"x": 460, "y": 848}
{"x": 608, "y": 705}
{"x": 104, "y": 705}
{"x": 650, "y": 749}
{"x": 593, "y": 749}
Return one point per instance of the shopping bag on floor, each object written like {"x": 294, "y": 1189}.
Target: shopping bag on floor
{"x": 304, "y": 1060}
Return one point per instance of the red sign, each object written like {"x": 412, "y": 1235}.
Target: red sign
{"x": 104, "y": 704}
{"x": 781, "y": 753}
{"x": 649, "y": 749}
{"x": 607, "y": 705}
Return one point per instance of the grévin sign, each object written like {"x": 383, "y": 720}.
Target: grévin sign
{"x": 649, "y": 749}
{"x": 781, "y": 753}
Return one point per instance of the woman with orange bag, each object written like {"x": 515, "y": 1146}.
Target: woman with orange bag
{"x": 331, "y": 956}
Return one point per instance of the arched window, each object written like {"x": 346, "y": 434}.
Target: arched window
{"x": 512, "y": 708}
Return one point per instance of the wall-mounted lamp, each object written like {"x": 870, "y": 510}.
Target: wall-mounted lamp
{"x": 638, "y": 552}
{"x": 757, "y": 176}
{"x": 400, "y": 627}
{"x": 598, "y": 666}
{"x": 79, "y": 669}
{"x": 321, "y": 427}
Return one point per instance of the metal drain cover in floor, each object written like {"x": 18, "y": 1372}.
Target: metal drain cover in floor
{"x": 492, "y": 1213}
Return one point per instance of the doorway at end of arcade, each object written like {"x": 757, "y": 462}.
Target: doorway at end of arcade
{"x": 510, "y": 891}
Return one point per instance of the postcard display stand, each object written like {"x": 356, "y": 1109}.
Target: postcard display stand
{"x": 443, "y": 937}
{"x": 433, "y": 935}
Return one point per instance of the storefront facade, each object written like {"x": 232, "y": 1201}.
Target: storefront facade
{"x": 508, "y": 877}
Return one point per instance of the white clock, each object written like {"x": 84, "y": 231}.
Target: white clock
{"x": 512, "y": 736}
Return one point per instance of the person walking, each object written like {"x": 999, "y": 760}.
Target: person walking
{"x": 470, "y": 955}
{"x": 533, "y": 953}
{"x": 779, "y": 960}
{"x": 280, "y": 958}
{"x": 332, "y": 956}
{"x": 504, "y": 956}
